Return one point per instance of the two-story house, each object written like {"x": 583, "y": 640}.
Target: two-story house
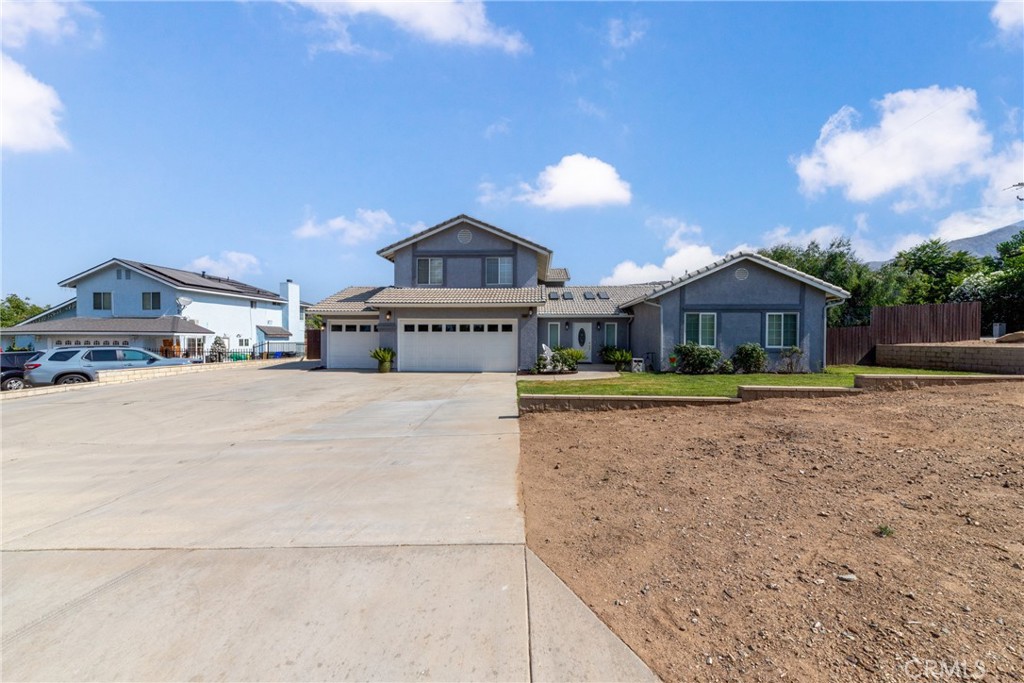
{"x": 167, "y": 310}
{"x": 469, "y": 296}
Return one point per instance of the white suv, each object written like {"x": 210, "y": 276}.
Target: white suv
{"x": 73, "y": 365}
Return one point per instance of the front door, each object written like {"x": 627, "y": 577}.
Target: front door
{"x": 581, "y": 339}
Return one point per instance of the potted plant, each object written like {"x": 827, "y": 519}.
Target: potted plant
{"x": 384, "y": 357}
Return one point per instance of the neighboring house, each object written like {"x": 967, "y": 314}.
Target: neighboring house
{"x": 469, "y": 296}
{"x": 167, "y": 310}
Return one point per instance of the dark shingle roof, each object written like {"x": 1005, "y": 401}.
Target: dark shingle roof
{"x": 273, "y": 331}
{"x": 167, "y": 324}
{"x": 185, "y": 279}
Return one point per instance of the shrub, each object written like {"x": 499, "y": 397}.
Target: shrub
{"x": 621, "y": 358}
{"x": 790, "y": 359}
{"x": 697, "y": 360}
{"x": 750, "y": 358}
{"x": 383, "y": 354}
{"x": 566, "y": 360}
{"x": 726, "y": 367}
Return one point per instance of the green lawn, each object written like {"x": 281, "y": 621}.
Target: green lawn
{"x": 670, "y": 384}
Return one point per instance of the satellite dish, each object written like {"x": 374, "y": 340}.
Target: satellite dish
{"x": 182, "y": 302}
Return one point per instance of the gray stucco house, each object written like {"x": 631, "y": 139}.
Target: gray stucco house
{"x": 469, "y": 296}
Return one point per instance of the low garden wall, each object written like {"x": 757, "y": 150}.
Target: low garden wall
{"x": 751, "y": 393}
{"x": 530, "y": 403}
{"x": 896, "y": 382}
{"x": 1006, "y": 359}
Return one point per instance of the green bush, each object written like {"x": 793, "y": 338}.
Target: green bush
{"x": 621, "y": 358}
{"x": 790, "y": 359}
{"x": 566, "y": 360}
{"x": 693, "y": 359}
{"x": 750, "y": 358}
{"x": 726, "y": 367}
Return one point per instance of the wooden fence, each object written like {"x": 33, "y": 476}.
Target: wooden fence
{"x": 903, "y": 325}
{"x": 313, "y": 344}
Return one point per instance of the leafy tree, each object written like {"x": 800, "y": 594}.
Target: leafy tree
{"x": 932, "y": 271}
{"x": 839, "y": 265}
{"x": 1000, "y": 291}
{"x": 14, "y": 309}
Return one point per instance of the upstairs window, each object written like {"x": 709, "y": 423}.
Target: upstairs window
{"x": 101, "y": 301}
{"x": 700, "y": 329}
{"x": 151, "y": 301}
{"x": 498, "y": 270}
{"x": 781, "y": 330}
{"x": 430, "y": 271}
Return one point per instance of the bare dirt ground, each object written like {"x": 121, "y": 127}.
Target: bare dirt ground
{"x": 720, "y": 543}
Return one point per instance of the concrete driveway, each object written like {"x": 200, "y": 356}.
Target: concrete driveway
{"x": 281, "y": 524}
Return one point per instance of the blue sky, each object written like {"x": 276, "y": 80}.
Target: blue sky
{"x": 266, "y": 141}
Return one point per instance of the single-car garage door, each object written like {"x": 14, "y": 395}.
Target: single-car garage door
{"x": 349, "y": 344}
{"x": 458, "y": 345}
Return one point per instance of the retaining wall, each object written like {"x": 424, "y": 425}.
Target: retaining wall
{"x": 896, "y": 382}
{"x": 530, "y": 403}
{"x": 1006, "y": 359}
{"x": 751, "y": 393}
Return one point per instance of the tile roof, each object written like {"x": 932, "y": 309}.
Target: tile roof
{"x": 348, "y": 300}
{"x": 273, "y": 331}
{"x": 827, "y": 287}
{"x": 579, "y": 305}
{"x": 453, "y": 296}
{"x": 167, "y": 324}
{"x": 388, "y": 250}
{"x": 557, "y": 275}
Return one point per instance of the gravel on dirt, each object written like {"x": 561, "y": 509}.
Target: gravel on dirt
{"x": 873, "y": 538}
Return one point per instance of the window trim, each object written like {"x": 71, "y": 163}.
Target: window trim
{"x": 430, "y": 271}
{"x": 608, "y": 327}
{"x": 782, "y": 329}
{"x": 154, "y": 301}
{"x": 700, "y": 328}
{"x": 558, "y": 334}
{"x": 104, "y": 298}
{"x": 498, "y": 263}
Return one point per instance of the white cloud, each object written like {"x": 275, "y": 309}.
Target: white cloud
{"x": 367, "y": 226}
{"x": 999, "y": 206}
{"x": 926, "y": 141}
{"x": 1008, "y": 16}
{"x": 590, "y": 109}
{"x": 29, "y": 111}
{"x": 577, "y": 180}
{"x": 685, "y": 255}
{"x": 499, "y": 127}
{"x": 231, "y": 264}
{"x": 49, "y": 20}
{"x": 457, "y": 22}
{"x": 622, "y": 35}
{"x": 783, "y": 234}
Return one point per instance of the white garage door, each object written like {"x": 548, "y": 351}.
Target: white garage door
{"x": 458, "y": 345}
{"x": 349, "y": 344}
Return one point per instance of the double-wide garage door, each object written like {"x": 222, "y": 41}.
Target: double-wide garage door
{"x": 458, "y": 345}
{"x": 349, "y": 344}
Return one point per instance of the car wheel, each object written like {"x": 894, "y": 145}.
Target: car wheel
{"x": 13, "y": 384}
{"x": 72, "y": 379}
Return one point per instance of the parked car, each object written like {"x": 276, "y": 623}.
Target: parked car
{"x": 75, "y": 364}
{"x": 13, "y": 364}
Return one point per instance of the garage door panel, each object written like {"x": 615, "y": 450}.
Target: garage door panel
{"x": 458, "y": 345}
{"x": 350, "y": 343}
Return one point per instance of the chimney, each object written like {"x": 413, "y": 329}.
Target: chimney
{"x": 290, "y": 318}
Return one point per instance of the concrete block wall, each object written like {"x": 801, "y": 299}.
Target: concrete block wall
{"x": 1005, "y": 359}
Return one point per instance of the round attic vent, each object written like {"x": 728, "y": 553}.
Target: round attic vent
{"x": 741, "y": 274}
{"x": 465, "y": 236}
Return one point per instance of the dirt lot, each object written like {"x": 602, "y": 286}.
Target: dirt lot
{"x": 721, "y": 543}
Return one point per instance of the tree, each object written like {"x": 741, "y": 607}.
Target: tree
{"x": 932, "y": 271}
{"x": 1000, "y": 291}
{"x": 14, "y": 309}
{"x": 839, "y": 265}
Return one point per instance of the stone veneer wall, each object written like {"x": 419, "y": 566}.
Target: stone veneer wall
{"x": 1007, "y": 359}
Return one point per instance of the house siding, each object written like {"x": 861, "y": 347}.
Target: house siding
{"x": 125, "y": 295}
{"x": 565, "y": 336}
{"x": 645, "y": 334}
{"x": 741, "y": 308}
